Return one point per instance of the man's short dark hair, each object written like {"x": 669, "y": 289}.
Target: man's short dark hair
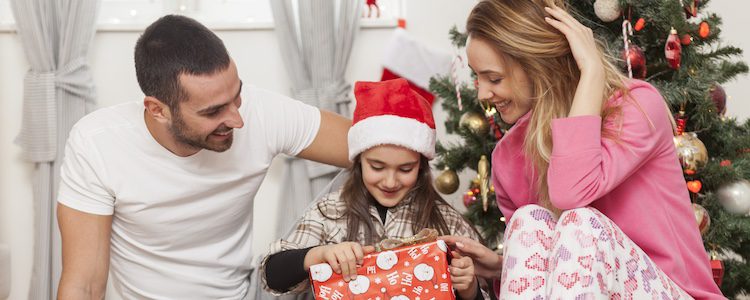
{"x": 175, "y": 45}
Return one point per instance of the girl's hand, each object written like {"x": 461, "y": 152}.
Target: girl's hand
{"x": 580, "y": 38}
{"x": 486, "y": 263}
{"x": 463, "y": 278}
{"x": 344, "y": 258}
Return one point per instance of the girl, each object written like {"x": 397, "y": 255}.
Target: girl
{"x": 588, "y": 176}
{"x": 389, "y": 194}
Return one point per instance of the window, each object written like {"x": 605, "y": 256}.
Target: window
{"x": 206, "y": 11}
{"x": 6, "y": 14}
{"x": 136, "y": 14}
{"x": 223, "y": 13}
{"x": 234, "y": 11}
{"x": 389, "y": 9}
{"x": 114, "y": 12}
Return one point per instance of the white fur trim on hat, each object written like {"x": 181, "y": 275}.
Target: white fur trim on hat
{"x": 391, "y": 130}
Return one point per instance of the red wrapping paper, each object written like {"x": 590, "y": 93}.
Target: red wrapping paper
{"x": 411, "y": 272}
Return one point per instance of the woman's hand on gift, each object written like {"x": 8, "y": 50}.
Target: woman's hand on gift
{"x": 487, "y": 263}
{"x": 463, "y": 278}
{"x": 344, "y": 258}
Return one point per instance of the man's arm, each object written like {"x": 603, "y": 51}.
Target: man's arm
{"x": 330, "y": 145}
{"x": 85, "y": 253}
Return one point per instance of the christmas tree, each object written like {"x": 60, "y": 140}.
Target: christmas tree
{"x": 676, "y": 46}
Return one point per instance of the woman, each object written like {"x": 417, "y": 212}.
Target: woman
{"x": 588, "y": 176}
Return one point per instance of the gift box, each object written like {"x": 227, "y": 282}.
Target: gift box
{"x": 717, "y": 268}
{"x": 409, "y": 272}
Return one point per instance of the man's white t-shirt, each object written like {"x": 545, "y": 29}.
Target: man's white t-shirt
{"x": 181, "y": 226}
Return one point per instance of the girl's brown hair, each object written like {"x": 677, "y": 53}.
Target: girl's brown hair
{"x": 425, "y": 205}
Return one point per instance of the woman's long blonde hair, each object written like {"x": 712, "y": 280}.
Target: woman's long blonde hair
{"x": 520, "y": 35}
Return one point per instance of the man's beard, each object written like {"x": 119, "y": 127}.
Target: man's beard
{"x": 184, "y": 135}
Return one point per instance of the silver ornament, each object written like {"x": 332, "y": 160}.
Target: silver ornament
{"x": 607, "y": 10}
{"x": 735, "y": 197}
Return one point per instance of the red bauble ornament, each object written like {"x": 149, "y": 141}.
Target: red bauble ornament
{"x": 704, "y": 30}
{"x": 673, "y": 50}
{"x": 469, "y": 198}
{"x": 640, "y": 24}
{"x": 694, "y": 186}
{"x": 637, "y": 61}
{"x": 681, "y": 122}
{"x": 495, "y": 128}
{"x": 725, "y": 163}
{"x": 719, "y": 97}
{"x": 686, "y": 39}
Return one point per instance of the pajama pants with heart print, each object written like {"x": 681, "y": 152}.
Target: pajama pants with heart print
{"x": 581, "y": 255}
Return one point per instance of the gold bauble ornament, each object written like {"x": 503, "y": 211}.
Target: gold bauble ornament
{"x": 691, "y": 151}
{"x": 447, "y": 182}
{"x": 701, "y": 218}
{"x": 475, "y": 122}
{"x": 483, "y": 174}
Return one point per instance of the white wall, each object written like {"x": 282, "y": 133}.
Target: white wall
{"x": 734, "y": 32}
{"x": 16, "y": 211}
{"x": 259, "y": 62}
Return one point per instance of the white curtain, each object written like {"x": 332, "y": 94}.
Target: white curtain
{"x": 58, "y": 90}
{"x": 316, "y": 43}
{"x": 315, "y": 46}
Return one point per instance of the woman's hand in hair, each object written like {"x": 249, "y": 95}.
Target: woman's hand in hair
{"x": 344, "y": 258}
{"x": 589, "y": 95}
{"x": 580, "y": 38}
{"x": 487, "y": 263}
{"x": 463, "y": 278}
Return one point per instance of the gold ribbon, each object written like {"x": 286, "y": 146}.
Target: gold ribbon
{"x": 424, "y": 236}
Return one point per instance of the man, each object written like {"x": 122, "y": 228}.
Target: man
{"x": 159, "y": 194}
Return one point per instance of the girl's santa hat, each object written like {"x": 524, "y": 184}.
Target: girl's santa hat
{"x": 390, "y": 112}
